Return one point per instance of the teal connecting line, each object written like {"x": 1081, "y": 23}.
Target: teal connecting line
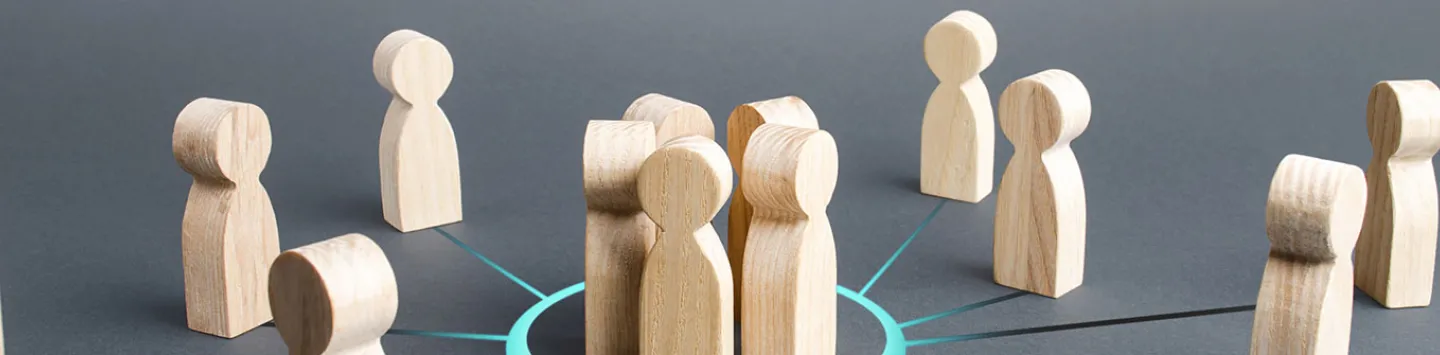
{"x": 962, "y": 309}
{"x": 450, "y": 335}
{"x": 924, "y": 223}
{"x": 492, "y": 264}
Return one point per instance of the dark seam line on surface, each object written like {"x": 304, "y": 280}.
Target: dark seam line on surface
{"x": 1071, "y": 326}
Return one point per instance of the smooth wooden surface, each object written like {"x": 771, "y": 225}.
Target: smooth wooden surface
{"x": 686, "y": 301}
{"x": 618, "y": 234}
{"x": 1040, "y": 211}
{"x": 335, "y": 297}
{"x": 419, "y": 163}
{"x": 789, "y": 111}
{"x": 957, "y": 139}
{"x": 673, "y": 118}
{"x": 790, "y": 267}
{"x": 1313, "y": 217}
{"x": 228, "y": 235}
{"x": 1395, "y": 258}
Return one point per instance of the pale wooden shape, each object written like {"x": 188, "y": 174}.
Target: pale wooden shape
{"x": 1395, "y": 258}
{"x": 1040, "y": 210}
{"x": 789, "y": 111}
{"x": 618, "y": 234}
{"x": 1313, "y": 218}
{"x": 790, "y": 263}
{"x": 686, "y": 301}
{"x": 335, "y": 297}
{"x": 228, "y": 235}
{"x": 957, "y": 139}
{"x": 419, "y": 163}
{"x": 673, "y": 118}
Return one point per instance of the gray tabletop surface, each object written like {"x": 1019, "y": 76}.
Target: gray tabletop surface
{"x": 1195, "y": 102}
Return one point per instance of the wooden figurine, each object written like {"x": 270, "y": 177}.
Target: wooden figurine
{"x": 673, "y": 118}
{"x": 419, "y": 163}
{"x": 957, "y": 139}
{"x": 1313, "y": 218}
{"x": 618, "y": 234}
{"x": 335, "y": 297}
{"x": 228, "y": 235}
{"x": 1040, "y": 211}
{"x": 790, "y": 259}
{"x": 789, "y": 111}
{"x": 1395, "y": 258}
{"x": 685, "y": 295}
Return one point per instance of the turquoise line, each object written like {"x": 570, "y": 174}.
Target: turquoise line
{"x": 520, "y": 332}
{"x": 491, "y": 263}
{"x": 449, "y": 335}
{"x": 962, "y": 309}
{"x": 927, "y": 220}
{"x": 894, "y": 337}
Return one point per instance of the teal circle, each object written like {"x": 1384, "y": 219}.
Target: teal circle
{"x": 518, "y": 339}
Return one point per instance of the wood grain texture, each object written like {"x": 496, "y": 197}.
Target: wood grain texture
{"x": 743, "y": 121}
{"x": 335, "y": 297}
{"x": 1395, "y": 258}
{"x": 790, "y": 267}
{"x": 618, "y": 234}
{"x": 1312, "y": 216}
{"x": 419, "y": 163}
{"x": 673, "y": 118}
{"x": 686, "y": 301}
{"x": 1040, "y": 211}
{"x": 228, "y": 235}
{"x": 957, "y": 139}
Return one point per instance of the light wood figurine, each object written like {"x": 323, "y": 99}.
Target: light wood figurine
{"x": 1313, "y": 218}
{"x": 1395, "y": 258}
{"x": 335, "y": 297}
{"x": 419, "y": 163}
{"x": 228, "y": 235}
{"x": 790, "y": 266}
{"x": 673, "y": 118}
{"x": 1040, "y": 211}
{"x": 618, "y": 234}
{"x": 957, "y": 139}
{"x": 743, "y": 121}
{"x": 686, "y": 301}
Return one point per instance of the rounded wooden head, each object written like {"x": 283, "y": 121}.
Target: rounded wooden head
{"x": 673, "y": 118}
{"x": 1044, "y": 110}
{"x": 614, "y": 151}
{"x": 788, "y": 110}
{"x": 684, "y": 183}
{"x": 790, "y": 169}
{"x": 413, "y": 66}
{"x": 1404, "y": 119}
{"x": 333, "y": 295}
{"x": 1315, "y": 208}
{"x": 960, "y": 46}
{"x": 222, "y": 140}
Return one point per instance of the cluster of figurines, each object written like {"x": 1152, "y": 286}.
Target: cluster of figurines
{"x": 658, "y": 281}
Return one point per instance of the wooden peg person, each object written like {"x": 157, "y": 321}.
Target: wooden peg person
{"x": 685, "y": 295}
{"x": 790, "y": 266}
{"x": 228, "y": 235}
{"x": 335, "y": 297}
{"x": 618, "y": 234}
{"x": 957, "y": 140}
{"x": 743, "y": 121}
{"x": 1040, "y": 211}
{"x": 419, "y": 163}
{"x": 673, "y": 118}
{"x": 1313, "y": 218}
{"x": 1395, "y": 258}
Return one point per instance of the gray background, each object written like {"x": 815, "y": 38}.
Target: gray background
{"x": 1195, "y": 102}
